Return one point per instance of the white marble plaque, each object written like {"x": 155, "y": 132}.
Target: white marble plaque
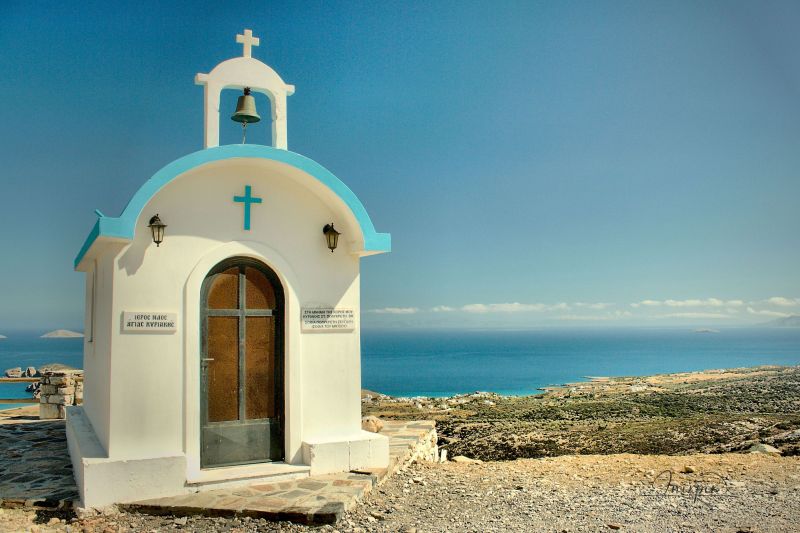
{"x": 328, "y": 319}
{"x": 149, "y": 322}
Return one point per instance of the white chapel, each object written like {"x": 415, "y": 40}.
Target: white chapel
{"x": 222, "y": 340}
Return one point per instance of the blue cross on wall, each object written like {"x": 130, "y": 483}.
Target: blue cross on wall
{"x": 247, "y": 199}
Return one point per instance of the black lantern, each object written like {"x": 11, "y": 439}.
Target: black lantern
{"x": 331, "y": 235}
{"x": 157, "y": 228}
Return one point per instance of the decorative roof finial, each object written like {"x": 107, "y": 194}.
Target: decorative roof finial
{"x": 248, "y": 42}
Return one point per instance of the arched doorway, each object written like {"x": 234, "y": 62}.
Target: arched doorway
{"x": 241, "y": 364}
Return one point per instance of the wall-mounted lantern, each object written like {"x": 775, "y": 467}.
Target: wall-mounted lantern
{"x": 157, "y": 228}
{"x": 331, "y": 235}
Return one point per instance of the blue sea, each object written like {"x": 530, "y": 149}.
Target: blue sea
{"x": 26, "y": 349}
{"x": 443, "y": 363}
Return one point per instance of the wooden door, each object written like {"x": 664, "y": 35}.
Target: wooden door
{"x": 241, "y": 365}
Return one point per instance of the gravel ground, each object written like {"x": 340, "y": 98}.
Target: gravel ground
{"x": 591, "y": 493}
{"x": 727, "y": 492}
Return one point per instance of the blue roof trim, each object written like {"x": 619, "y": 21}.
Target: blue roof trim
{"x": 124, "y": 226}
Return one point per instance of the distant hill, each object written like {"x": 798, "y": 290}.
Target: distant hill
{"x": 57, "y": 367}
{"x": 785, "y": 322}
{"x": 61, "y": 334}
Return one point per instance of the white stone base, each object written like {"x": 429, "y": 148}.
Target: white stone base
{"x": 364, "y": 450}
{"x": 103, "y": 481}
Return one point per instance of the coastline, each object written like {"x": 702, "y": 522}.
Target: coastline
{"x": 583, "y": 384}
{"x": 16, "y": 390}
{"x": 711, "y": 411}
{"x": 4, "y": 407}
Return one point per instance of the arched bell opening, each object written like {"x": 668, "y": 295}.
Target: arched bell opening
{"x": 260, "y": 132}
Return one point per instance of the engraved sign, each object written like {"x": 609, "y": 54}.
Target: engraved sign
{"x": 328, "y": 319}
{"x": 149, "y": 322}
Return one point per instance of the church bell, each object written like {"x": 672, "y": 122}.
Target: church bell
{"x": 246, "y": 109}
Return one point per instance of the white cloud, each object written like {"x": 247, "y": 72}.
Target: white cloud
{"x": 683, "y": 303}
{"x": 692, "y": 302}
{"x": 767, "y": 312}
{"x": 708, "y": 302}
{"x": 694, "y": 308}
{"x": 616, "y": 315}
{"x": 598, "y": 305}
{"x": 515, "y": 307}
{"x": 396, "y": 311}
{"x": 696, "y": 315}
{"x": 584, "y": 317}
{"x": 476, "y": 308}
{"x": 518, "y": 307}
{"x": 783, "y": 302}
{"x": 647, "y": 303}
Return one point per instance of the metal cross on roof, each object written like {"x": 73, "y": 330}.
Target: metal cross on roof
{"x": 248, "y": 42}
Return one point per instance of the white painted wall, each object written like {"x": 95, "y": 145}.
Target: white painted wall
{"x": 152, "y": 407}
{"x": 97, "y": 353}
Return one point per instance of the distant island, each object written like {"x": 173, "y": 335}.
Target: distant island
{"x": 785, "y": 322}
{"x": 61, "y": 334}
{"x": 57, "y": 367}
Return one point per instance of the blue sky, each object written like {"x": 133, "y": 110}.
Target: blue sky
{"x": 537, "y": 163}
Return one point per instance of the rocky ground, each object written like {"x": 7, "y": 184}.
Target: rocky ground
{"x": 701, "y": 412}
{"x": 664, "y": 463}
{"x": 723, "y": 492}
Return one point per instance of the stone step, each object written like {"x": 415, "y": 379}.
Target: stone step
{"x": 328, "y": 513}
{"x": 315, "y": 500}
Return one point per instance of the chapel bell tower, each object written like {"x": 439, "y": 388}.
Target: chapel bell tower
{"x": 242, "y": 73}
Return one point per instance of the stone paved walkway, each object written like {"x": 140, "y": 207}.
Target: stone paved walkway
{"x": 35, "y": 472}
{"x": 312, "y": 500}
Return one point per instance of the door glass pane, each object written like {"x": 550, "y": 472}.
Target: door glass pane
{"x": 260, "y": 294}
{"x": 223, "y": 371}
{"x": 260, "y": 361}
{"x": 224, "y": 290}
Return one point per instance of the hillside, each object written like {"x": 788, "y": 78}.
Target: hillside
{"x": 711, "y": 411}
{"x": 785, "y": 322}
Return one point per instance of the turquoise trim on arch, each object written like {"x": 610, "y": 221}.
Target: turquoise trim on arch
{"x": 123, "y": 227}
